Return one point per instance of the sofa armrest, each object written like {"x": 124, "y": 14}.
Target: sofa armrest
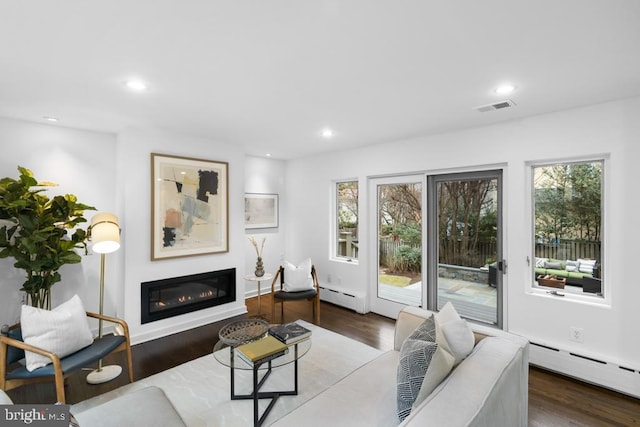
{"x": 147, "y": 406}
{"x": 408, "y": 320}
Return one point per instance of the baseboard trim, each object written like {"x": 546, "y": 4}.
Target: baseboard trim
{"x": 593, "y": 370}
{"x": 345, "y": 298}
{"x": 175, "y": 327}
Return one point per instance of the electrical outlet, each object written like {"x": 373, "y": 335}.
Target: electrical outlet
{"x": 576, "y": 334}
{"x": 328, "y": 278}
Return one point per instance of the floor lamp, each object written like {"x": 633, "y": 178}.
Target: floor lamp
{"x": 105, "y": 236}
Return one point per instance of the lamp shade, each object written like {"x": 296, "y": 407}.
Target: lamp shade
{"x": 105, "y": 233}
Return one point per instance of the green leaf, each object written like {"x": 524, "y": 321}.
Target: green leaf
{"x": 70, "y": 258}
{"x": 40, "y": 241}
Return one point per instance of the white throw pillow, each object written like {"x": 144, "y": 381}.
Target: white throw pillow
{"x": 453, "y": 333}
{"x": 298, "y": 278}
{"x": 572, "y": 265}
{"x": 441, "y": 365}
{"x": 540, "y": 262}
{"x": 586, "y": 265}
{"x": 63, "y": 330}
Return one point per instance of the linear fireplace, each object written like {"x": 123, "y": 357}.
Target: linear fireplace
{"x": 179, "y": 295}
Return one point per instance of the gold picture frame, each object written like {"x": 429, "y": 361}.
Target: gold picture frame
{"x": 189, "y": 206}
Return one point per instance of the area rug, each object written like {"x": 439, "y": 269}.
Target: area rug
{"x": 200, "y": 389}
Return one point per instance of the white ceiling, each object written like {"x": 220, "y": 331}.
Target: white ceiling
{"x": 270, "y": 74}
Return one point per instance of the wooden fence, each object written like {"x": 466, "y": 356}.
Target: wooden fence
{"x": 484, "y": 252}
{"x": 570, "y": 249}
{"x": 487, "y": 251}
{"x": 389, "y": 248}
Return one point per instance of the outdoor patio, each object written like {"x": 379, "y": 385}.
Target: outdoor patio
{"x": 477, "y": 301}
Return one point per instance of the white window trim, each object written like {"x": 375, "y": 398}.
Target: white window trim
{"x": 583, "y": 298}
{"x": 333, "y": 241}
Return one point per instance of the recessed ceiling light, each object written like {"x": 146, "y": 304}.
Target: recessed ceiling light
{"x": 268, "y": 154}
{"x": 505, "y": 89}
{"x": 136, "y": 85}
{"x": 327, "y": 133}
{"x": 50, "y": 119}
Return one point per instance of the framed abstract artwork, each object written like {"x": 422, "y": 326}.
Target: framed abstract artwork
{"x": 260, "y": 210}
{"x": 189, "y": 206}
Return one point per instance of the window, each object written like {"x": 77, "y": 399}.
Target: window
{"x": 347, "y": 220}
{"x": 568, "y": 231}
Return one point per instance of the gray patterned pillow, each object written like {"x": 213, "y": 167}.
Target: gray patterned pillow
{"x": 423, "y": 365}
{"x": 426, "y": 331}
{"x": 415, "y": 357}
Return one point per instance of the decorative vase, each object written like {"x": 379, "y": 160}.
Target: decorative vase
{"x": 259, "y": 268}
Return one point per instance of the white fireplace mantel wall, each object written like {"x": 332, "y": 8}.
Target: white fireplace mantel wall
{"x": 113, "y": 173}
{"x": 134, "y": 180}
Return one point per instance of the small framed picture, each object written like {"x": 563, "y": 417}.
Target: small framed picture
{"x": 260, "y": 210}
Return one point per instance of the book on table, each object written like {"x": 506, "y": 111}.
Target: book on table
{"x": 290, "y": 333}
{"x": 261, "y": 350}
{"x": 265, "y": 359}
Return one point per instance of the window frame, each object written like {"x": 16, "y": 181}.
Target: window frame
{"x": 533, "y": 288}
{"x": 335, "y": 204}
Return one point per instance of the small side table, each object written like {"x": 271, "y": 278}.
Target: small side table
{"x": 254, "y": 278}
{"x": 225, "y": 354}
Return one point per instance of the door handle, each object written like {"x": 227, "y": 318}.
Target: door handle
{"x": 502, "y": 266}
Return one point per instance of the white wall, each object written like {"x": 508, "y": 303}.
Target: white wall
{"x": 82, "y": 163}
{"x": 266, "y": 176}
{"x": 113, "y": 173}
{"x": 612, "y": 128}
{"x": 134, "y": 161}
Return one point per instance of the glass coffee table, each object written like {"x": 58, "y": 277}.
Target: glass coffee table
{"x": 224, "y": 352}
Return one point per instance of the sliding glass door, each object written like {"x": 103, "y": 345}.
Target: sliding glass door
{"x": 453, "y": 255}
{"x": 398, "y": 231}
{"x": 465, "y": 244}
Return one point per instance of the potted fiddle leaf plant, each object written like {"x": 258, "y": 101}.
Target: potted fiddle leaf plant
{"x": 39, "y": 233}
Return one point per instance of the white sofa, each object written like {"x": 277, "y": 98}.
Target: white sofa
{"x": 489, "y": 388}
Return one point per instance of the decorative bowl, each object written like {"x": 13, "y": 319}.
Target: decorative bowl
{"x": 243, "y": 331}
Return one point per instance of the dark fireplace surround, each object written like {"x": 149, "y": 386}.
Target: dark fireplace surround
{"x": 161, "y": 299}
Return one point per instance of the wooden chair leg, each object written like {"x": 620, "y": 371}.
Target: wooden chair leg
{"x": 316, "y": 311}
{"x": 273, "y": 309}
{"x": 130, "y": 363}
{"x": 59, "y": 379}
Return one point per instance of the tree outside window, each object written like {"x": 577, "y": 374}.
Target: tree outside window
{"x": 568, "y": 224}
{"x": 347, "y": 219}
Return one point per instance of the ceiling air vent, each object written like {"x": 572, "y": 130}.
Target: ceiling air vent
{"x": 496, "y": 106}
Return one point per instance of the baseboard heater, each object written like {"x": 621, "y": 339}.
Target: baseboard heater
{"x": 343, "y": 297}
{"x": 594, "y": 370}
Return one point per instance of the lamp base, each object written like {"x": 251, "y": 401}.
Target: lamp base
{"x": 107, "y": 373}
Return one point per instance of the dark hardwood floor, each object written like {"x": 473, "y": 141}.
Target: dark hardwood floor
{"x": 554, "y": 400}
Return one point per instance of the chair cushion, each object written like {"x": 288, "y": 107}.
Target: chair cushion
{"x": 295, "y": 295}
{"x": 63, "y": 330}
{"x": 75, "y": 361}
{"x": 297, "y": 278}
